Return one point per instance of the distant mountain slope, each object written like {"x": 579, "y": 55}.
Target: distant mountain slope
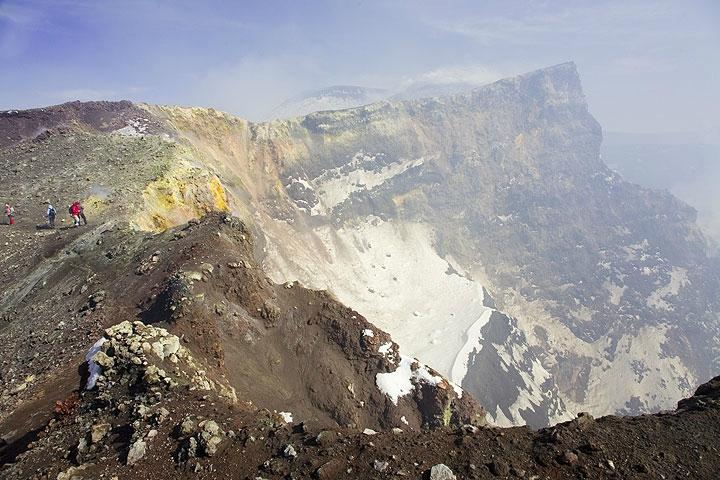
{"x": 344, "y": 97}
{"x": 418, "y": 90}
{"x": 331, "y": 98}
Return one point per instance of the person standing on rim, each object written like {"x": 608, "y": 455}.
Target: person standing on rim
{"x": 10, "y": 214}
{"x": 74, "y": 211}
{"x": 50, "y": 215}
{"x": 82, "y": 213}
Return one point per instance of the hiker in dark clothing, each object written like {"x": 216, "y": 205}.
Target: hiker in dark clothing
{"x": 50, "y": 215}
{"x": 82, "y": 214}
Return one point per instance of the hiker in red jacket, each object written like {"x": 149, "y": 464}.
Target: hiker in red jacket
{"x": 10, "y": 213}
{"x": 75, "y": 212}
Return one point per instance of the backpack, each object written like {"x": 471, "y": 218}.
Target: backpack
{"x": 12, "y": 211}
{"x": 51, "y": 211}
{"x": 70, "y": 209}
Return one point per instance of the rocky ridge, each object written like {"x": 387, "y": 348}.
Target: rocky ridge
{"x": 294, "y": 351}
{"x": 134, "y": 426}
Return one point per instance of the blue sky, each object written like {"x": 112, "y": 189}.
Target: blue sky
{"x": 647, "y": 66}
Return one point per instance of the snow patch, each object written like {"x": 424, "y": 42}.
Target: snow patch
{"x": 473, "y": 344}
{"x": 403, "y": 380}
{"x": 398, "y": 261}
{"x": 93, "y": 367}
{"x": 134, "y": 128}
{"x": 384, "y": 349}
{"x": 661, "y": 383}
{"x": 457, "y": 388}
{"x": 336, "y": 185}
{"x": 615, "y": 292}
{"x": 501, "y": 419}
{"x": 659, "y": 298}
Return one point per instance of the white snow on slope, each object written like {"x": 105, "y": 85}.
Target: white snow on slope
{"x": 133, "y": 128}
{"x": 615, "y": 292}
{"x": 612, "y": 364}
{"x": 402, "y": 381}
{"x": 336, "y": 185}
{"x": 499, "y": 418}
{"x": 93, "y": 368}
{"x": 473, "y": 335}
{"x": 658, "y": 298}
{"x": 386, "y": 271}
{"x": 532, "y": 396}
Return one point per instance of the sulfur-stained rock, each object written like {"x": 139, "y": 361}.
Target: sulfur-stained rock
{"x": 99, "y": 431}
{"x": 102, "y": 359}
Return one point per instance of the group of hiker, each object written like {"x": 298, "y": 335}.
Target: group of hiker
{"x": 75, "y": 210}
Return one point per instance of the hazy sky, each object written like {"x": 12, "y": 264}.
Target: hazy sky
{"x": 646, "y": 66}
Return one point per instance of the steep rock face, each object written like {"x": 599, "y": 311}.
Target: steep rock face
{"x": 413, "y": 212}
{"x": 505, "y": 187}
{"x": 481, "y": 230}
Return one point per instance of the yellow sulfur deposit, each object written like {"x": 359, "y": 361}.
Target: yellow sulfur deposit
{"x": 219, "y": 195}
{"x": 183, "y": 193}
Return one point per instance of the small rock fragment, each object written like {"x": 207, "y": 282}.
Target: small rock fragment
{"x": 331, "y": 470}
{"x": 72, "y": 473}
{"x": 469, "y": 429}
{"x": 187, "y": 427}
{"x": 325, "y": 438}
{"x": 137, "y": 451}
{"x": 568, "y": 458}
{"x": 18, "y": 389}
{"x": 103, "y": 360}
{"x": 290, "y": 452}
{"x": 98, "y": 431}
{"x": 441, "y": 472}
